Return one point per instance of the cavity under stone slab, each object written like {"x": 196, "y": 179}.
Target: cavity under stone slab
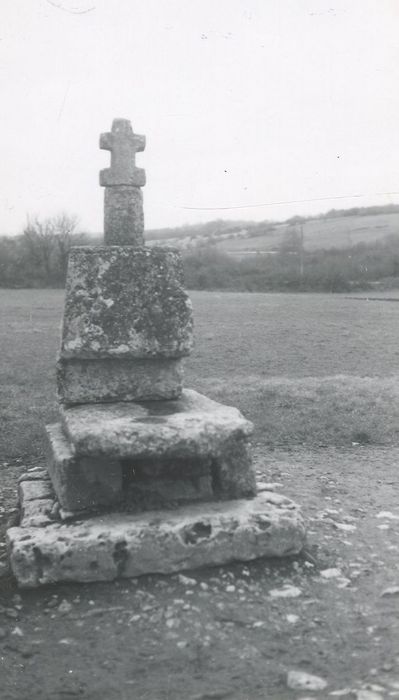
{"x": 185, "y": 450}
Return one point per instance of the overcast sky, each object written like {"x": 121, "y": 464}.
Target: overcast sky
{"x": 245, "y": 104}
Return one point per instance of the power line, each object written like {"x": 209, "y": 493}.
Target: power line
{"x": 291, "y": 201}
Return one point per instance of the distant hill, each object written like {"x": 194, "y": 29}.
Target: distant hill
{"x": 335, "y": 229}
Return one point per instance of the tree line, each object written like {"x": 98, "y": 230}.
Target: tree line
{"x": 293, "y": 269}
{"x": 39, "y": 256}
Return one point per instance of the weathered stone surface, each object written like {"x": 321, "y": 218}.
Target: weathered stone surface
{"x": 33, "y": 490}
{"x": 192, "y": 430}
{"x": 192, "y": 426}
{"x": 34, "y": 474}
{"x": 123, "y": 216}
{"x": 111, "y": 379}
{"x": 81, "y": 483}
{"x": 125, "y": 302}
{"x": 36, "y": 500}
{"x": 124, "y": 145}
{"x": 233, "y": 473}
{"x": 111, "y": 546}
{"x": 37, "y": 513}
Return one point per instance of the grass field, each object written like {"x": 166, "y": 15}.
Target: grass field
{"x": 341, "y": 232}
{"x": 309, "y": 369}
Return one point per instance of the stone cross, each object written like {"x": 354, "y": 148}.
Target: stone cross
{"x": 123, "y": 201}
{"x": 124, "y": 145}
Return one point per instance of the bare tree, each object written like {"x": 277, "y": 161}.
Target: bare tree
{"x": 39, "y": 241}
{"x": 48, "y": 242}
{"x": 65, "y": 228}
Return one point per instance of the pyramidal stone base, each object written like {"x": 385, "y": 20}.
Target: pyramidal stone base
{"x": 46, "y": 550}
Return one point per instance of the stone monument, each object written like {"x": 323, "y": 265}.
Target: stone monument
{"x": 143, "y": 476}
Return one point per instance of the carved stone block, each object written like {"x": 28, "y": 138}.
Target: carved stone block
{"x": 125, "y": 302}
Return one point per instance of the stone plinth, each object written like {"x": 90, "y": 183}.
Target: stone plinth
{"x": 118, "y": 545}
{"x": 191, "y": 426}
{"x": 150, "y": 454}
{"x": 113, "y": 379}
{"x": 125, "y": 302}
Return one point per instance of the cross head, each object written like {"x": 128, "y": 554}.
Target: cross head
{"x": 124, "y": 145}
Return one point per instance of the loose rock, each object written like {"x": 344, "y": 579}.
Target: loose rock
{"x": 330, "y": 573}
{"x": 286, "y": 591}
{"x": 64, "y": 607}
{"x": 299, "y": 680}
{"x": 392, "y": 590}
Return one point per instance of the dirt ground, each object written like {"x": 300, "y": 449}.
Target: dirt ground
{"x": 232, "y": 632}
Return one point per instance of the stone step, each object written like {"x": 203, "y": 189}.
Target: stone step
{"x": 192, "y": 426}
{"x": 192, "y": 437}
{"x": 114, "y": 379}
{"x": 119, "y": 545}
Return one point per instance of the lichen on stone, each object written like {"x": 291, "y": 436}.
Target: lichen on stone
{"x": 126, "y": 302}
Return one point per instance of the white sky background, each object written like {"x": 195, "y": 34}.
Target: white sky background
{"x": 243, "y": 102}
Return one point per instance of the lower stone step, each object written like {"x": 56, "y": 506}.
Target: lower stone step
{"x": 107, "y": 547}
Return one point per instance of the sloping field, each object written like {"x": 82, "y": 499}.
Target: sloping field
{"x": 342, "y": 232}
{"x": 349, "y": 230}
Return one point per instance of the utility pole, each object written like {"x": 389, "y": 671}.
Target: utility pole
{"x": 301, "y": 251}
